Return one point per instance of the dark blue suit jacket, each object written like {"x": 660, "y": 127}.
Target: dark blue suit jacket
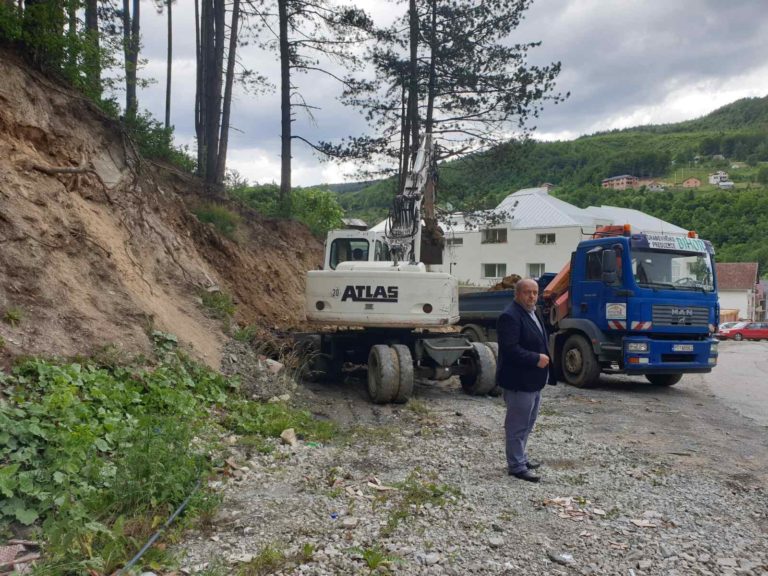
{"x": 520, "y": 343}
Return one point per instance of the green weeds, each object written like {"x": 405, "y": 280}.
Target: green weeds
{"x": 218, "y": 304}
{"x": 13, "y": 317}
{"x": 94, "y": 456}
{"x": 268, "y": 561}
{"x": 417, "y": 407}
{"x": 414, "y": 493}
{"x": 245, "y": 334}
{"x": 375, "y": 557}
{"x": 223, "y": 219}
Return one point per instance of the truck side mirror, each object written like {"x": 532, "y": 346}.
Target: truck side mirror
{"x": 609, "y": 267}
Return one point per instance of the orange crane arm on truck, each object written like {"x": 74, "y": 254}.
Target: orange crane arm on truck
{"x": 556, "y": 294}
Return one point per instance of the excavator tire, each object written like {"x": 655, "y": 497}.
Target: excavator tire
{"x": 405, "y": 373}
{"x": 579, "y": 364}
{"x": 494, "y": 346}
{"x": 482, "y": 379}
{"x": 383, "y": 374}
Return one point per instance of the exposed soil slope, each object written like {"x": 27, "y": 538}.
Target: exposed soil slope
{"x": 100, "y": 256}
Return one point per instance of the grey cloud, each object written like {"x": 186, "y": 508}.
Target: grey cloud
{"x": 618, "y": 56}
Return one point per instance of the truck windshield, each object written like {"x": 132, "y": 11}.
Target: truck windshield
{"x": 673, "y": 270}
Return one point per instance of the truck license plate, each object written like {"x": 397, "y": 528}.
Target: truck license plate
{"x": 682, "y": 348}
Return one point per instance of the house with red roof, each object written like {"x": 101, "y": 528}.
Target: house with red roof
{"x": 737, "y": 288}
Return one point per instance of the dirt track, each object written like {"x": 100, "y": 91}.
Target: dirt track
{"x": 636, "y": 480}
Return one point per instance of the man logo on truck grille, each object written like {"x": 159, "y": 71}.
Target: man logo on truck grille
{"x": 370, "y": 294}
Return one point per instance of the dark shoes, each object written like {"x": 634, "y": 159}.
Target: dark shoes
{"x": 532, "y": 464}
{"x": 526, "y": 475}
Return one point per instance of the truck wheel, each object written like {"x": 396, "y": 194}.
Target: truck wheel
{"x": 482, "y": 378}
{"x": 474, "y": 333}
{"x": 579, "y": 365}
{"x": 405, "y": 373}
{"x": 382, "y": 373}
{"x": 664, "y": 379}
{"x": 494, "y": 346}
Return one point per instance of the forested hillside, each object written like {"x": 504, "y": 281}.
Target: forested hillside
{"x": 736, "y": 220}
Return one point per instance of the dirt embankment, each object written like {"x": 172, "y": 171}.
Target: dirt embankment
{"x": 98, "y": 245}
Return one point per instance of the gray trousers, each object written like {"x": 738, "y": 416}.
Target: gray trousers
{"x": 522, "y": 410}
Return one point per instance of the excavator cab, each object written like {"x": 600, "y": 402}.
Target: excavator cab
{"x": 354, "y": 246}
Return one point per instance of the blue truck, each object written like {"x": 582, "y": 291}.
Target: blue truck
{"x": 638, "y": 304}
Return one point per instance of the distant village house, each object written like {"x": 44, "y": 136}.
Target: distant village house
{"x": 718, "y": 177}
{"x": 691, "y": 183}
{"x": 622, "y": 182}
{"x": 737, "y": 289}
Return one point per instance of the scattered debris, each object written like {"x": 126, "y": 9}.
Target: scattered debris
{"x": 563, "y": 559}
{"x": 261, "y": 378}
{"x": 376, "y": 484}
{"x": 569, "y": 508}
{"x": 288, "y": 436}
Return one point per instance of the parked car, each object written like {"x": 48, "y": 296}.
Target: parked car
{"x": 725, "y": 325}
{"x": 745, "y": 331}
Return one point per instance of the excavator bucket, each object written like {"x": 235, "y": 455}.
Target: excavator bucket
{"x": 432, "y": 243}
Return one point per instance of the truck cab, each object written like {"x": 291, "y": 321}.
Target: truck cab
{"x": 645, "y": 304}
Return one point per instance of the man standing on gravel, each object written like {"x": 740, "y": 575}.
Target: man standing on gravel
{"x": 523, "y": 369}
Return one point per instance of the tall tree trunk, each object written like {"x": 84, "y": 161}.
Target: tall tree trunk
{"x": 285, "y": 109}
{"x": 213, "y": 85}
{"x": 131, "y": 29}
{"x": 169, "y": 66}
{"x": 432, "y": 80}
{"x": 227, "y": 104}
{"x": 199, "y": 92}
{"x": 413, "y": 91}
{"x": 72, "y": 52}
{"x": 92, "y": 55}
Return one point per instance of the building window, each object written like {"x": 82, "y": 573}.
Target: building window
{"x": 545, "y": 238}
{"x": 494, "y": 270}
{"x": 454, "y": 241}
{"x": 535, "y": 270}
{"x": 495, "y": 236}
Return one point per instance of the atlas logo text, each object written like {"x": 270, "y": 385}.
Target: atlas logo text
{"x": 370, "y": 294}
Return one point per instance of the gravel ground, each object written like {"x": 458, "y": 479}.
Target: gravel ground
{"x": 636, "y": 480}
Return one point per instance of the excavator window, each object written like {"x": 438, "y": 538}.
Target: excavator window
{"x": 345, "y": 249}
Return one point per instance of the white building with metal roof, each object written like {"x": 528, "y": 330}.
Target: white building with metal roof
{"x": 529, "y": 233}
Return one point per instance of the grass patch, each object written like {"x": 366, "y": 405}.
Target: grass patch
{"x": 268, "y": 561}
{"x": 574, "y": 479}
{"x": 218, "y": 304}
{"x": 245, "y": 333}
{"x": 13, "y": 317}
{"x": 417, "y": 407}
{"x": 548, "y": 411}
{"x": 94, "y": 456}
{"x": 269, "y": 420}
{"x": 388, "y": 435}
{"x": 223, "y": 219}
{"x": 375, "y": 557}
{"x": 414, "y": 493}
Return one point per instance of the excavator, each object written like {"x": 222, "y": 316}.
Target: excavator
{"x": 379, "y": 302}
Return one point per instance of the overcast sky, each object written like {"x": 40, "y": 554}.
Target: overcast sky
{"x": 625, "y": 63}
